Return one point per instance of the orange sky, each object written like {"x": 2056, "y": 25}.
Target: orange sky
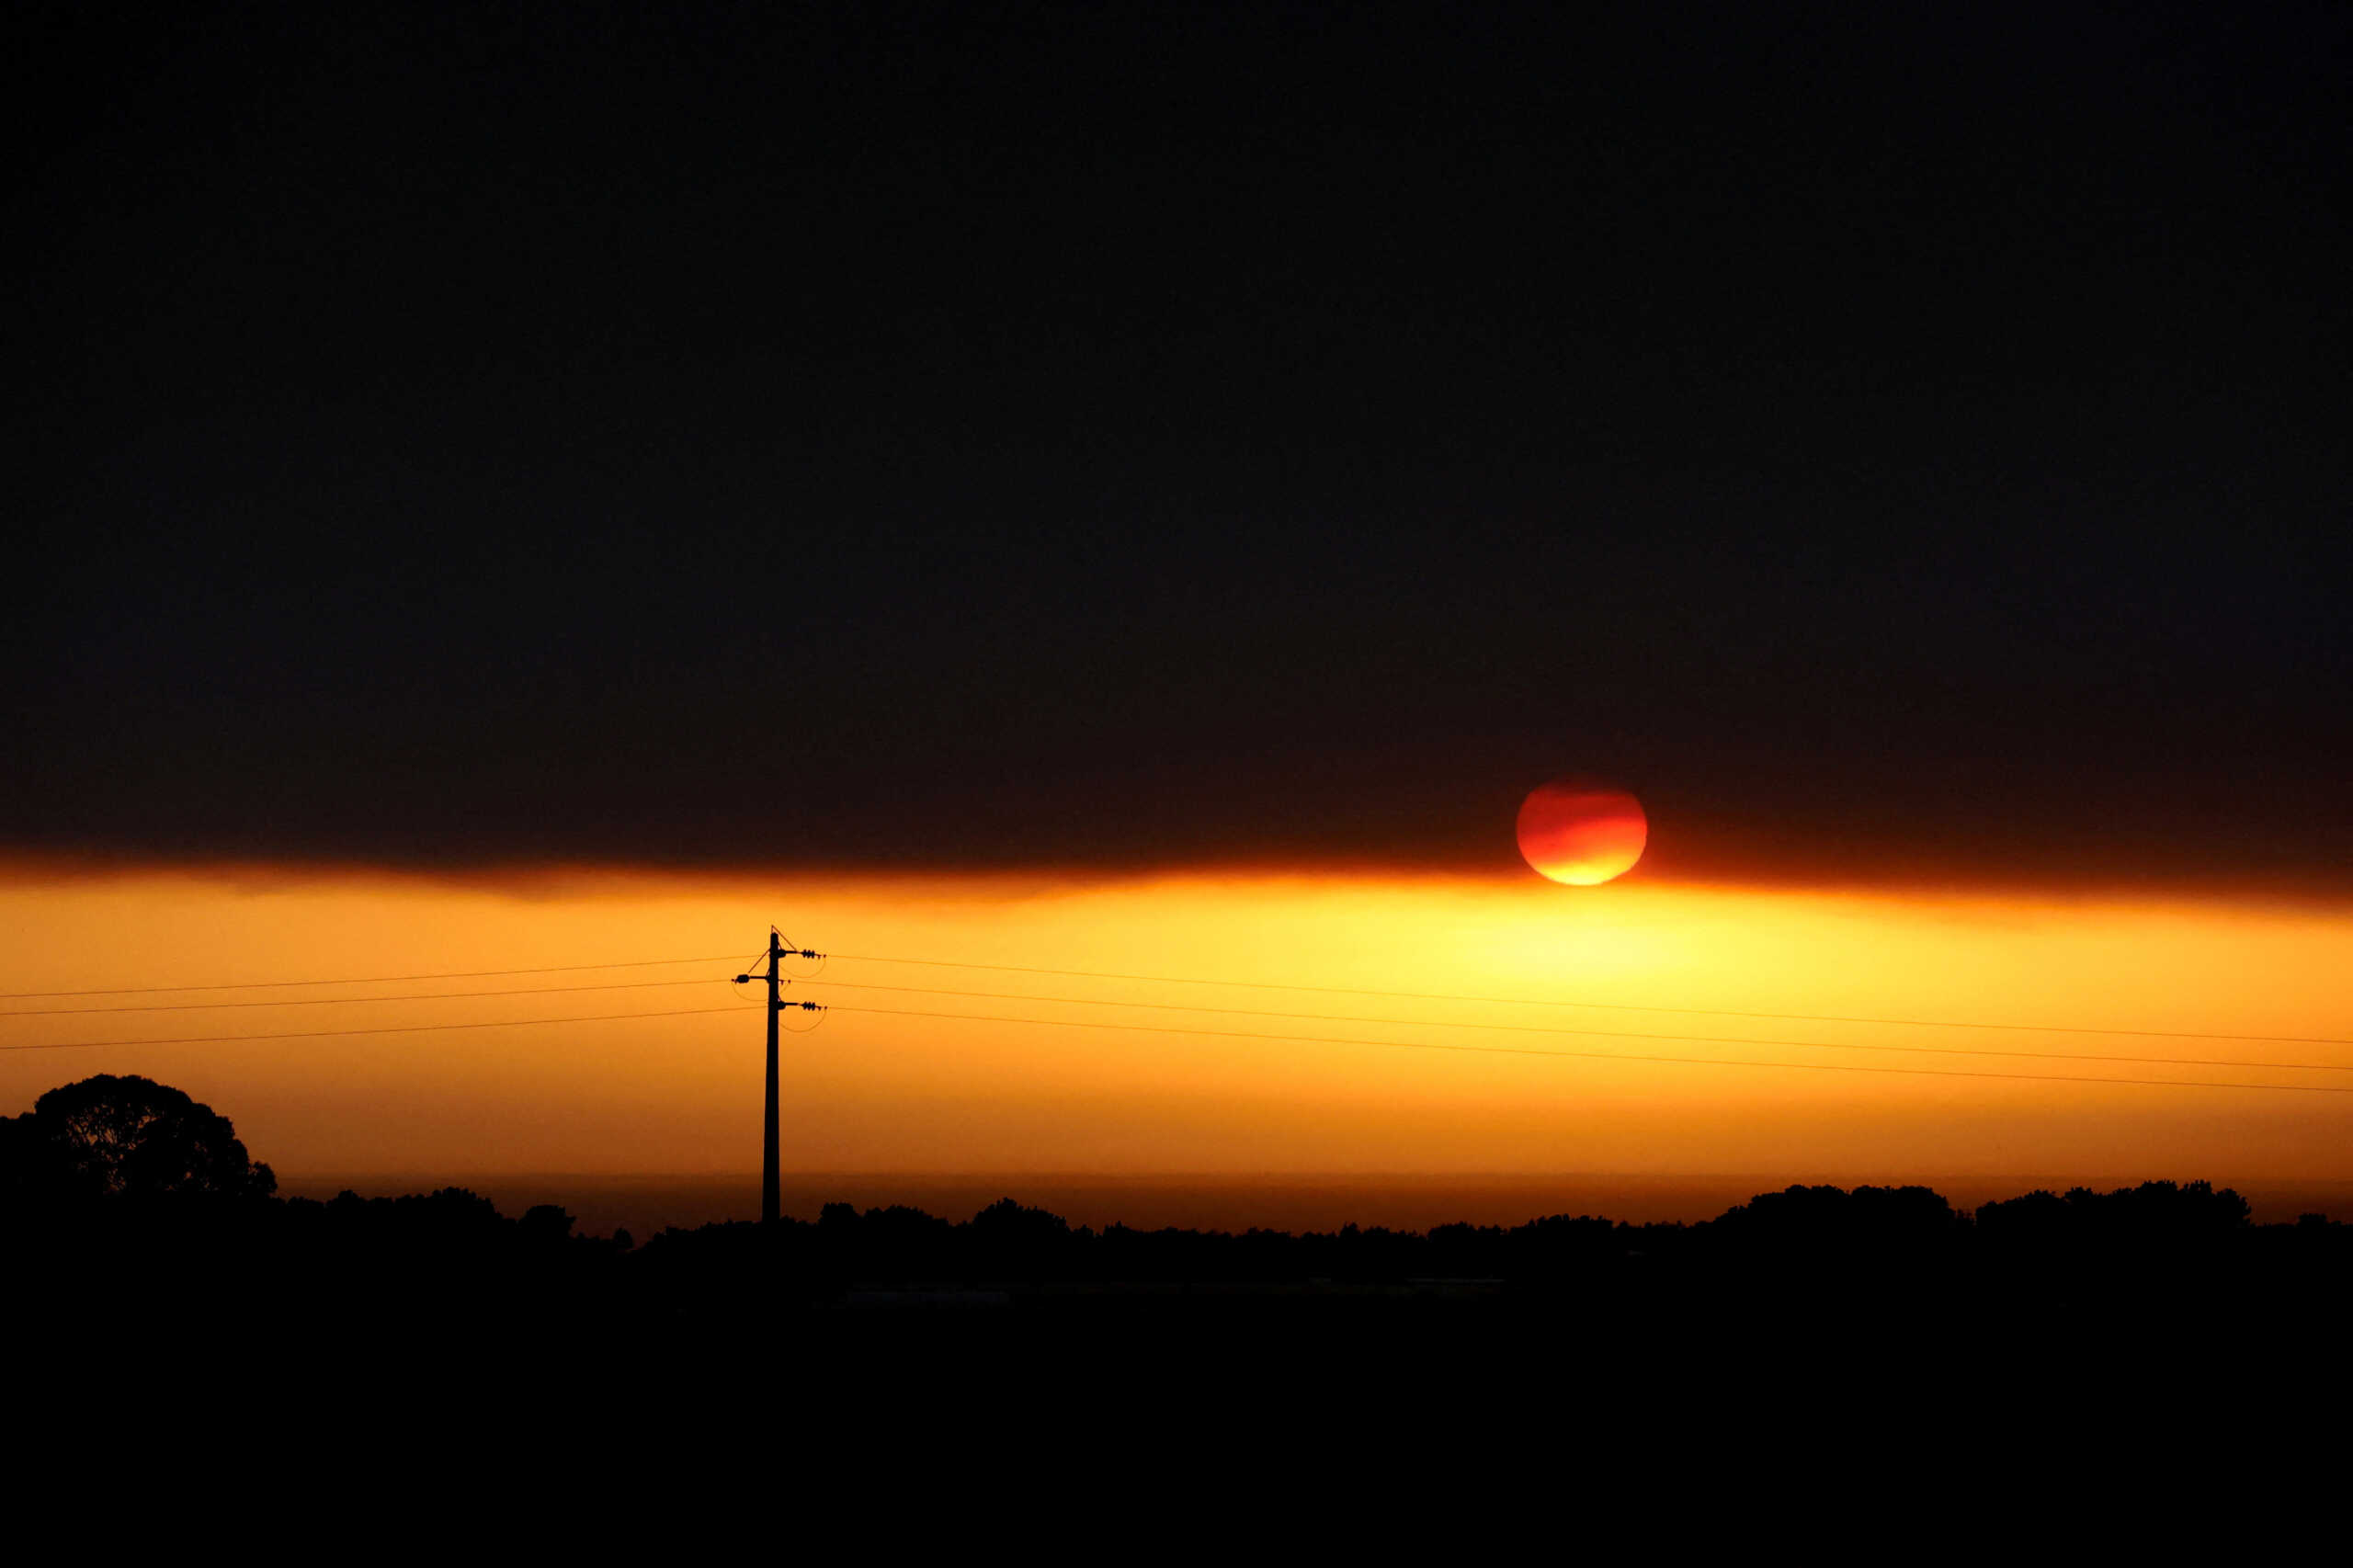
{"x": 871, "y": 1092}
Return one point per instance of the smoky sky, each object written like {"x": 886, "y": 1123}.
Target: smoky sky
{"x": 1894, "y": 445}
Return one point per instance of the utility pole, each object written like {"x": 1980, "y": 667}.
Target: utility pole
{"x": 771, "y": 1199}
{"x": 771, "y": 1195}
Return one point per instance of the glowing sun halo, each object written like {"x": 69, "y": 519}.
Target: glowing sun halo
{"x": 1582, "y": 832}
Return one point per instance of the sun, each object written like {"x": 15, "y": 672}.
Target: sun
{"x": 1581, "y": 831}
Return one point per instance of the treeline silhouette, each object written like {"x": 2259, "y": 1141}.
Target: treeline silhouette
{"x": 121, "y": 1198}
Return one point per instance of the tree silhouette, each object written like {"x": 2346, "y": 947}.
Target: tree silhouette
{"x": 107, "y": 1136}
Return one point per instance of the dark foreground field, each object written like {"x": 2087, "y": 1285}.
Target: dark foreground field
{"x": 142, "y": 1245}
{"x": 1814, "y": 1361}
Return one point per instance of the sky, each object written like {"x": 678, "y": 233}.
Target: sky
{"x": 1164, "y": 1026}
{"x": 900, "y": 454}
{"x": 1894, "y": 445}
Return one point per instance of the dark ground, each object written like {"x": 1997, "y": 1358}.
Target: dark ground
{"x": 1816, "y": 1367}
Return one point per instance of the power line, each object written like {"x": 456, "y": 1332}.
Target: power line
{"x": 346, "y": 1000}
{"x": 1614, "y": 1034}
{"x": 398, "y": 1029}
{"x": 1160, "y": 978}
{"x": 1237, "y": 1034}
{"x": 1612, "y": 1007}
{"x": 363, "y": 979}
{"x": 1609, "y": 1055}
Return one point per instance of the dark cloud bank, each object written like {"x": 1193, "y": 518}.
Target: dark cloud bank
{"x": 1896, "y": 448}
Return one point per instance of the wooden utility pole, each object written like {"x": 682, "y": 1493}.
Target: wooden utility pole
{"x": 771, "y": 1200}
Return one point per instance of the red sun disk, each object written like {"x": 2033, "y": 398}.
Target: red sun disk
{"x": 1582, "y": 832}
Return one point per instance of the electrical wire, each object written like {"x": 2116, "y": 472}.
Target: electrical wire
{"x": 1613, "y": 1006}
{"x": 1167, "y": 1007}
{"x": 397, "y": 1029}
{"x": 346, "y": 1000}
{"x": 1160, "y": 978}
{"x": 362, "y": 980}
{"x": 1616, "y": 1034}
{"x": 1609, "y": 1055}
{"x": 1241, "y": 1034}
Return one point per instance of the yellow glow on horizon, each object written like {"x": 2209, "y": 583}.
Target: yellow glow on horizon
{"x": 1006, "y": 1083}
